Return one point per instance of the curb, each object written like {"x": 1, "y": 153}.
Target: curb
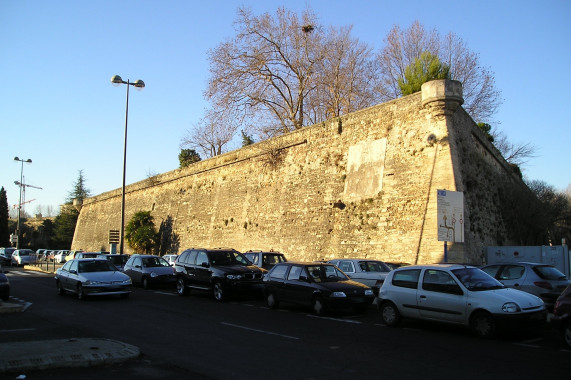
{"x": 81, "y": 352}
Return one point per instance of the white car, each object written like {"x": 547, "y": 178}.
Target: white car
{"x": 457, "y": 294}
{"x": 60, "y": 256}
{"x": 369, "y": 272}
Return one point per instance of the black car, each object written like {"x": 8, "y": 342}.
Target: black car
{"x": 149, "y": 271}
{"x": 221, "y": 270}
{"x": 117, "y": 259}
{"x": 319, "y": 285}
{"x": 4, "y": 287}
{"x": 6, "y": 256}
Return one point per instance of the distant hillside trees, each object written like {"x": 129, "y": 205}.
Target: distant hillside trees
{"x": 4, "y": 216}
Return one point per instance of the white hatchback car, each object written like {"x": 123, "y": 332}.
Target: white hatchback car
{"x": 458, "y": 294}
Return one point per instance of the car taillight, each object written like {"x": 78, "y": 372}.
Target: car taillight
{"x": 543, "y": 284}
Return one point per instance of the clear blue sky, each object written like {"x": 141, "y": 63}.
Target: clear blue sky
{"x": 58, "y": 107}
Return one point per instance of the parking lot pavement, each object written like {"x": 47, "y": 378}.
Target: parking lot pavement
{"x": 60, "y": 353}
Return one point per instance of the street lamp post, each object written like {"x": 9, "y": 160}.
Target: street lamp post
{"x": 21, "y": 184}
{"x": 116, "y": 80}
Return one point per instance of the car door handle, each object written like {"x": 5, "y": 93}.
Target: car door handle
{"x": 422, "y": 296}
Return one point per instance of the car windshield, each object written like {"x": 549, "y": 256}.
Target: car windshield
{"x": 228, "y": 258}
{"x": 373, "y": 266}
{"x": 476, "y": 279}
{"x": 153, "y": 262}
{"x": 326, "y": 273}
{"x": 95, "y": 266}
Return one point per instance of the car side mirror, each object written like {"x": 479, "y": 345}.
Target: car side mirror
{"x": 204, "y": 265}
{"x": 303, "y": 278}
{"x": 73, "y": 271}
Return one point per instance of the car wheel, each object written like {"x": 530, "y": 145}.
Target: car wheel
{"x": 483, "y": 325}
{"x": 272, "y": 301}
{"x": 218, "y": 290}
{"x": 567, "y": 333}
{"x": 181, "y": 288}
{"x": 318, "y": 306}
{"x": 389, "y": 314}
{"x": 60, "y": 289}
{"x": 145, "y": 283}
{"x": 80, "y": 293}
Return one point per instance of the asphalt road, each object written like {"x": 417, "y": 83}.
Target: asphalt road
{"x": 196, "y": 337}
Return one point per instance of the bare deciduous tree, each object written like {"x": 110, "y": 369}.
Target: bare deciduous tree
{"x": 284, "y": 72}
{"x": 211, "y": 134}
{"x": 403, "y": 47}
{"x": 517, "y": 154}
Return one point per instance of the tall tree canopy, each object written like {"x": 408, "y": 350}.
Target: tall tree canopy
{"x": 403, "y": 47}
{"x": 285, "y": 71}
{"x": 4, "y": 231}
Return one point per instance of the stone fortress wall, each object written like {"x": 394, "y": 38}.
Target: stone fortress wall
{"x": 362, "y": 185}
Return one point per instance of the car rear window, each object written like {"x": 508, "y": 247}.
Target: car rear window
{"x": 406, "y": 278}
{"x": 547, "y": 272}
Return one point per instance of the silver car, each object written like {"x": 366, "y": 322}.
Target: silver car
{"x": 458, "y": 294}
{"x": 545, "y": 281}
{"x": 92, "y": 277}
{"x": 21, "y": 257}
{"x": 369, "y": 272}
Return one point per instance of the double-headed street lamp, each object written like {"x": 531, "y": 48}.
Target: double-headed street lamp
{"x": 21, "y": 184}
{"x": 139, "y": 84}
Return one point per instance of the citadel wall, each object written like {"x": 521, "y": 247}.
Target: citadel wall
{"x": 363, "y": 185}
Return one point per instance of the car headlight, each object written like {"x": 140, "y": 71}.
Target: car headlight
{"x": 510, "y": 307}
{"x": 338, "y": 295}
{"x": 153, "y": 274}
{"x": 369, "y": 292}
{"x": 127, "y": 282}
{"x": 89, "y": 282}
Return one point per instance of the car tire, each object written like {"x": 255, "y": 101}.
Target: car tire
{"x": 181, "y": 288}
{"x": 272, "y": 301}
{"x": 389, "y": 314}
{"x": 80, "y": 293}
{"x": 483, "y": 325}
{"x": 318, "y": 306}
{"x": 218, "y": 291}
{"x": 60, "y": 289}
{"x": 145, "y": 283}
{"x": 566, "y": 333}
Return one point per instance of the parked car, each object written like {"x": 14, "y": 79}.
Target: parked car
{"x": 170, "y": 259}
{"x": 118, "y": 260}
{"x": 369, "y": 272}
{"x": 545, "y": 281}
{"x": 4, "y": 287}
{"x": 21, "y": 257}
{"x": 6, "y": 256}
{"x": 458, "y": 294}
{"x": 149, "y": 270}
{"x": 86, "y": 255}
{"x": 561, "y": 318}
{"x": 92, "y": 277}
{"x": 71, "y": 254}
{"x": 321, "y": 286}
{"x": 40, "y": 254}
{"x": 221, "y": 271}
{"x": 59, "y": 257}
{"x": 265, "y": 260}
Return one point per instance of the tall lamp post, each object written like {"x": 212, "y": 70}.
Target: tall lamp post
{"x": 139, "y": 84}
{"x": 29, "y": 161}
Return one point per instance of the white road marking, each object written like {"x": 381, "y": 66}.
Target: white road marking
{"x": 16, "y": 330}
{"x": 260, "y": 331}
{"x": 336, "y": 319}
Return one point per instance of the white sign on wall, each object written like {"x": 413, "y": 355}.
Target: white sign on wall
{"x": 450, "y": 216}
